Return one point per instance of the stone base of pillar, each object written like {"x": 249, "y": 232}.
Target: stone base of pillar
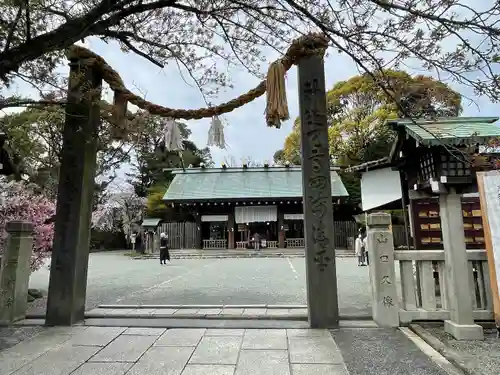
{"x": 464, "y": 331}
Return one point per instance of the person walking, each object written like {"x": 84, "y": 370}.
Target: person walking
{"x": 365, "y": 251}
{"x": 164, "y": 253}
{"x": 358, "y": 249}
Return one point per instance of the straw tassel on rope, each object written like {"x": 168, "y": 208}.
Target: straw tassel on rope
{"x": 119, "y": 115}
{"x": 277, "y": 106}
{"x": 216, "y": 133}
{"x": 173, "y": 136}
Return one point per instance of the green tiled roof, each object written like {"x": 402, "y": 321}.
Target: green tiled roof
{"x": 151, "y": 222}
{"x": 238, "y": 183}
{"x": 451, "y": 130}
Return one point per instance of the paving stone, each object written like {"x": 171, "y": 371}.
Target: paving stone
{"x": 314, "y": 350}
{"x": 98, "y": 311}
{"x": 315, "y": 369}
{"x": 120, "y": 311}
{"x": 14, "y": 358}
{"x": 273, "y": 362}
{"x": 303, "y": 312}
{"x": 61, "y": 360}
{"x": 96, "y": 336}
{"x": 209, "y": 312}
{"x": 162, "y": 312}
{"x": 308, "y": 332}
{"x": 278, "y": 312}
{"x": 144, "y": 331}
{"x": 125, "y": 348}
{"x": 265, "y": 339}
{"x": 186, "y": 312}
{"x": 181, "y": 337}
{"x": 232, "y": 311}
{"x": 142, "y": 312}
{"x": 162, "y": 360}
{"x": 224, "y": 332}
{"x": 255, "y": 312}
{"x": 73, "y": 330}
{"x": 217, "y": 350}
{"x": 94, "y": 368}
{"x": 208, "y": 370}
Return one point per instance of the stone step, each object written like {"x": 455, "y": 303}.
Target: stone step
{"x": 238, "y": 312}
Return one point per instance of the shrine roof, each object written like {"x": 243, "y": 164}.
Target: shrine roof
{"x": 151, "y": 222}
{"x": 450, "y": 130}
{"x": 206, "y": 184}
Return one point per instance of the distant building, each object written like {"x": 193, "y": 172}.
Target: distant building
{"x": 231, "y": 205}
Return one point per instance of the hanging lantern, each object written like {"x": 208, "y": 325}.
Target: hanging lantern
{"x": 173, "y": 137}
{"x": 216, "y": 133}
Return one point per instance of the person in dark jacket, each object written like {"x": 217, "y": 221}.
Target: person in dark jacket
{"x": 164, "y": 254}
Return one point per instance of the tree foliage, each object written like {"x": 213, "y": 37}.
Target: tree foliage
{"x": 449, "y": 37}
{"x": 151, "y": 158}
{"x": 357, "y": 109}
{"x": 36, "y": 136}
{"x": 20, "y": 201}
{"x": 119, "y": 213}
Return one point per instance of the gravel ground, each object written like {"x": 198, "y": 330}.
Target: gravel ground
{"x": 382, "y": 351}
{"x": 481, "y": 357}
{"x": 115, "y": 278}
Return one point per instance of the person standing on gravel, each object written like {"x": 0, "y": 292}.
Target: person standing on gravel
{"x": 164, "y": 253}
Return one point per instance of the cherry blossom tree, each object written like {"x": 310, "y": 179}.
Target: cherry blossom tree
{"x": 119, "y": 213}
{"x": 21, "y": 201}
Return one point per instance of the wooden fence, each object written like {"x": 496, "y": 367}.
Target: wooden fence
{"x": 182, "y": 235}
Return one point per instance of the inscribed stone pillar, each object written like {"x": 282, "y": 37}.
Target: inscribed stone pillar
{"x": 380, "y": 243}
{"x": 70, "y": 253}
{"x": 230, "y": 231}
{"x": 281, "y": 229}
{"x": 322, "y": 300}
{"x": 15, "y": 272}
{"x": 461, "y": 323}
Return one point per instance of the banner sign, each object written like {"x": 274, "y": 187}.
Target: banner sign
{"x": 489, "y": 195}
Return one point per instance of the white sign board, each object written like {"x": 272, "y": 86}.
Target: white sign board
{"x": 380, "y": 187}
{"x": 489, "y": 195}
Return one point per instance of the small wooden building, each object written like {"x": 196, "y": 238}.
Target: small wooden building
{"x": 428, "y": 158}
{"x": 151, "y": 234}
{"x": 231, "y": 205}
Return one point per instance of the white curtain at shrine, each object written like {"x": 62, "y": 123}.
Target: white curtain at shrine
{"x": 293, "y": 216}
{"x": 252, "y": 214}
{"x": 213, "y": 218}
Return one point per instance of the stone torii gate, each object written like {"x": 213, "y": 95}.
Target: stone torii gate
{"x": 70, "y": 255}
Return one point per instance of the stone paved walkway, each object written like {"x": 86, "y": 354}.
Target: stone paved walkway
{"x": 83, "y": 350}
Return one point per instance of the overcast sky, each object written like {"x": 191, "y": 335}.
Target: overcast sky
{"x": 246, "y": 134}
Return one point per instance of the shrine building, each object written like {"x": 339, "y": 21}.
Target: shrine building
{"x": 231, "y": 205}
